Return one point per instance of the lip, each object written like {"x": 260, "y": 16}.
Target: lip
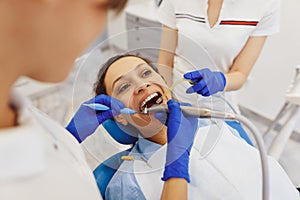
{"x": 148, "y": 93}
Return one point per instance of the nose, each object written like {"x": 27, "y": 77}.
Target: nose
{"x": 141, "y": 88}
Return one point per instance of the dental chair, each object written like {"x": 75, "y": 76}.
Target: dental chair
{"x": 238, "y": 127}
{"x": 106, "y": 170}
{"x": 291, "y": 113}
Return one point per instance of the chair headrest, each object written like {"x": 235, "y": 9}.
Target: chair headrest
{"x": 122, "y": 134}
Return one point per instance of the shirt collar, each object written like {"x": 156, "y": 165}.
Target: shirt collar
{"x": 21, "y": 147}
{"x": 152, "y": 158}
{"x": 147, "y": 148}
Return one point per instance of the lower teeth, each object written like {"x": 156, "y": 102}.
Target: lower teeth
{"x": 159, "y": 100}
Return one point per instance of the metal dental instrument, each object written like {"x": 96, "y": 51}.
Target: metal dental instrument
{"x": 193, "y": 112}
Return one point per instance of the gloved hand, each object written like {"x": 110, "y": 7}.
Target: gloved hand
{"x": 86, "y": 120}
{"x": 207, "y": 82}
{"x": 181, "y": 132}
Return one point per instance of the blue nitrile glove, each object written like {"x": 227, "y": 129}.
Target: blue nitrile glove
{"x": 207, "y": 82}
{"x": 181, "y": 132}
{"x": 86, "y": 120}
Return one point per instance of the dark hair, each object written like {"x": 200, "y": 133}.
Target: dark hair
{"x": 99, "y": 85}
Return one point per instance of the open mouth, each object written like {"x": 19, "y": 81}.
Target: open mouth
{"x": 153, "y": 99}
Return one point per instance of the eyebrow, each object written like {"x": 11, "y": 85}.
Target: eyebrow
{"x": 120, "y": 77}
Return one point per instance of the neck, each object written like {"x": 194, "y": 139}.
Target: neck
{"x": 160, "y": 137}
{"x": 8, "y": 115}
{"x": 12, "y": 62}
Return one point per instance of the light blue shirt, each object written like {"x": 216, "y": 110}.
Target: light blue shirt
{"x": 124, "y": 185}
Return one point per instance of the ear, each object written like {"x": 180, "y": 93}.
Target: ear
{"x": 121, "y": 120}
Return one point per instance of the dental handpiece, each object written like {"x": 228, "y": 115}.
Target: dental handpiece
{"x": 193, "y": 112}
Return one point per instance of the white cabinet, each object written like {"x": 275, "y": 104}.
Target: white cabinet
{"x": 143, "y": 30}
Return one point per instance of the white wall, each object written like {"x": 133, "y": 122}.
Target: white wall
{"x": 265, "y": 91}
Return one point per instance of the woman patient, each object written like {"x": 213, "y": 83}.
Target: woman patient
{"x": 221, "y": 165}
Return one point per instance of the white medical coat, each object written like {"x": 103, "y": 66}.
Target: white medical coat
{"x": 201, "y": 46}
{"x": 40, "y": 160}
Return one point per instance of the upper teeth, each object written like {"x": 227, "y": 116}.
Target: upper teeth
{"x": 148, "y": 99}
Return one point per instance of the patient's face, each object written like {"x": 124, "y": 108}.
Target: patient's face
{"x": 132, "y": 81}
